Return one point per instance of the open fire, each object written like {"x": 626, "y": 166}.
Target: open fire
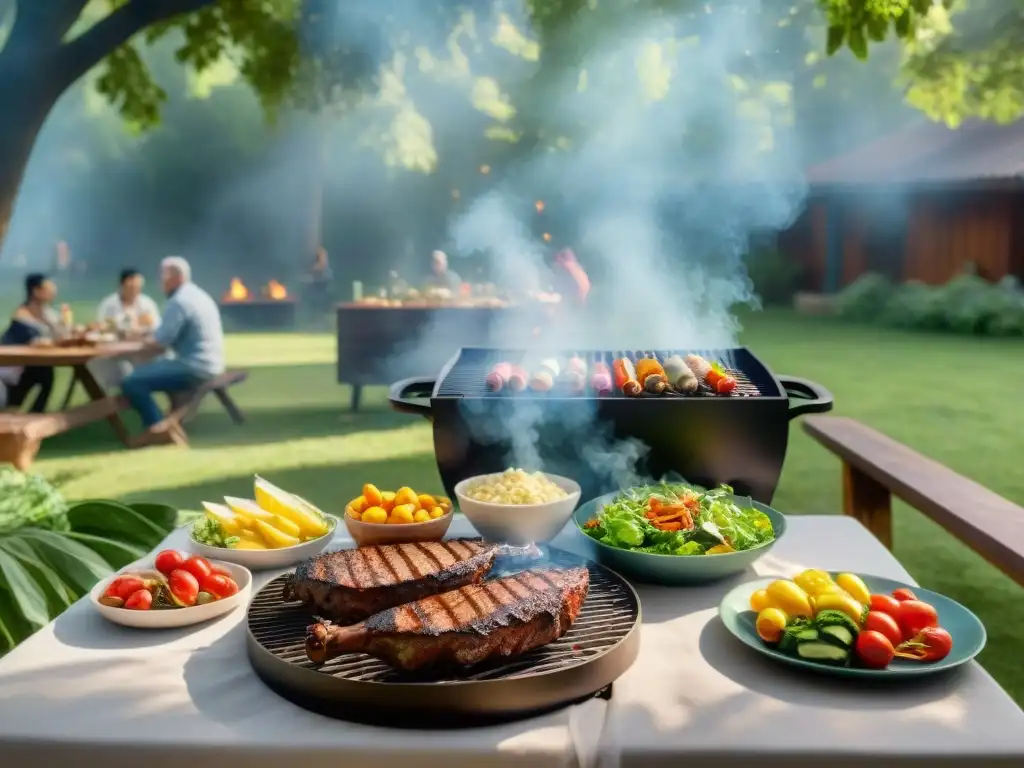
{"x": 238, "y": 292}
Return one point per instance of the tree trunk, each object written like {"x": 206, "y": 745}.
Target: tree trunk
{"x": 20, "y": 123}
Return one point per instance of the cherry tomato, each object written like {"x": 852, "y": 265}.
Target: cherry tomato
{"x": 140, "y": 600}
{"x": 184, "y": 586}
{"x": 874, "y": 649}
{"x": 884, "y": 624}
{"x": 199, "y": 567}
{"x": 220, "y": 569}
{"x": 885, "y": 604}
{"x": 915, "y": 616}
{"x": 169, "y": 560}
{"x": 124, "y": 587}
{"x": 930, "y": 644}
{"x": 220, "y": 586}
{"x": 902, "y": 594}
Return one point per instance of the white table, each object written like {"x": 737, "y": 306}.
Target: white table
{"x": 83, "y": 692}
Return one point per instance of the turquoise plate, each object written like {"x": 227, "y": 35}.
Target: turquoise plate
{"x": 966, "y": 629}
{"x": 675, "y": 569}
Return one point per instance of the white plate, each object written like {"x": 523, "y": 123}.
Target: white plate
{"x": 266, "y": 559}
{"x": 173, "y": 617}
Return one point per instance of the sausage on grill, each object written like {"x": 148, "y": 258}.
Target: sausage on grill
{"x": 680, "y": 377}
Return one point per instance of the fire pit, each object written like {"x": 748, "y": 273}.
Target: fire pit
{"x": 272, "y": 310}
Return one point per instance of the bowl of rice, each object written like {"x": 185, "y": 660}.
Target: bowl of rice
{"x": 518, "y": 507}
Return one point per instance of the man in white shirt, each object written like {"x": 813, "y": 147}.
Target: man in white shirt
{"x": 128, "y": 310}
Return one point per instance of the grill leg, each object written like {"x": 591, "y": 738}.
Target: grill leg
{"x": 357, "y": 394}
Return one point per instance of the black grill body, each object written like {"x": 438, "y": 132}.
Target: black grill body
{"x": 602, "y": 442}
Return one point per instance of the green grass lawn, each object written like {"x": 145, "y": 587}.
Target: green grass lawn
{"x": 955, "y": 399}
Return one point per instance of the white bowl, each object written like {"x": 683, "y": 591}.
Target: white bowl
{"x": 267, "y": 559}
{"x": 173, "y": 617}
{"x": 519, "y": 524}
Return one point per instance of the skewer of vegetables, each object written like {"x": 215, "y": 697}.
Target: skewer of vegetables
{"x": 651, "y": 375}
{"x": 517, "y": 379}
{"x": 576, "y": 374}
{"x": 543, "y": 378}
{"x": 601, "y": 379}
{"x": 625, "y": 377}
{"x": 712, "y": 375}
{"x": 680, "y": 377}
{"x": 499, "y": 376}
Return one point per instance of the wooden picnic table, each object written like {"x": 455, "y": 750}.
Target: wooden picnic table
{"x": 77, "y": 358}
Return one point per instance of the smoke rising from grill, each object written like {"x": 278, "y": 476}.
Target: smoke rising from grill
{"x": 672, "y": 167}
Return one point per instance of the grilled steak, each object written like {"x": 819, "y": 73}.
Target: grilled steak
{"x": 500, "y": 617}
{"x": 352, "y": 584}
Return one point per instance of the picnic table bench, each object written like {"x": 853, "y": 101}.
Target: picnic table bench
{"x": 876, "y": 467}
{"x": 185, "y": 404}
{"x": 22, "y": 433}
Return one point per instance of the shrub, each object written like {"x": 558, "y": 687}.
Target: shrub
{"x": 865, "y": 298}
{"x": 775, "y": 276}
{"x": 966, "y": 304}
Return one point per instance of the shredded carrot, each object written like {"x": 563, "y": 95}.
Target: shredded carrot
{"x": 591, "y": 523}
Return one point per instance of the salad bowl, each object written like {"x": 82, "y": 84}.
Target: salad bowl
{"x": 677, "y": 569}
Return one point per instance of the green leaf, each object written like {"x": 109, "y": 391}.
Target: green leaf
{"x": 79, "y": 566}
{"x": 113, "y": 520}
{"x": 164, "y": 516}
{"x": 904, "y": 24}
{"x": 858, "y": 43}
{"x": 30, "y": 599}
{"x": 58, "y": 595}
{"x": 836, "y": 35}
{"x": 877, "y": 27}
{"x": 117, "y": 553}
{"x": 13, "y": 626}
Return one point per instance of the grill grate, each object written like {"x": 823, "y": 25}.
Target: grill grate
{"x": 608, "y": 615}
{"x": 467, "y": 377}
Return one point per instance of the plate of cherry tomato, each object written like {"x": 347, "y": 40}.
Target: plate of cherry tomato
{"x": 174, "y": 589}
{"x": 854, "y": 626}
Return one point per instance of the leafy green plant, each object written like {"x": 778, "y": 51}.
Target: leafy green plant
{"x": 776, "y": 277}
{"x": 865, "y": 298}
{"x": 53, "y": 553}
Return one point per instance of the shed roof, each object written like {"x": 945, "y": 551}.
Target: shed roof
{"x": 931, "y": 153}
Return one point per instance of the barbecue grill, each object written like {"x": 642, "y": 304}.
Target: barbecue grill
{"x": 601, "y": 645}
{"x": 739, "y": 439}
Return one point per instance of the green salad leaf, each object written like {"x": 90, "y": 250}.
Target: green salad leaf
{"x": 716, "y": 520}
{"x": 208, "y": 531}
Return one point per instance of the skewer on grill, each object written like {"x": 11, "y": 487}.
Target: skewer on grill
{"x": 543, "y": 379}
{"x": 651, "y": 375}
{"x": 601, "y": 379}
{"x": 517, "y": 379}
{"x": 575, "y": 374}
{"x": 625, "y": 377}
{"x": 717, "y": 380}
{"x": 680, "y": 377}
{"x": 499, "y": 376}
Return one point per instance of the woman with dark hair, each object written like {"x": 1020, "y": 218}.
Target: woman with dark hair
{"x": 35, "y": 320}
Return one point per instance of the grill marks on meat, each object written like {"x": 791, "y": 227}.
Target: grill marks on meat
{"x": 352, "y": 584}
{"x": 502, "y": 617}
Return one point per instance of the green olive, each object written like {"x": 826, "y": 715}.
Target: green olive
{"x": 204, "y": 597}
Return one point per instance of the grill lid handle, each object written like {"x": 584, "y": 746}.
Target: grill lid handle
{"x": 805, "y": 396}
{"x": 412, "y": 396}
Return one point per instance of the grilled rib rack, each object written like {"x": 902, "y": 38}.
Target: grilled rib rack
{"x": 602, "y": 644}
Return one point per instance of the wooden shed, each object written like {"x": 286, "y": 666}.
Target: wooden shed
{"x": 920, "y": 204}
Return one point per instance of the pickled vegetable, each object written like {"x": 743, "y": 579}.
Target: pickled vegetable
{"x": 375, "y": 515}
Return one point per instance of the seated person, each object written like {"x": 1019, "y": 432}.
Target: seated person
{"x": 128, "y": 309}
{"x": 440, "y": 276}
{"x": 33, "y": 321}
{"x": 191, "y": 329}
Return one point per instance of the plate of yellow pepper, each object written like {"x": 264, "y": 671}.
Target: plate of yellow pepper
{"x": 850, "y": 624}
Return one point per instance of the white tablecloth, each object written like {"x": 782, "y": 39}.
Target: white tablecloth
{"x": 83, "y": 692}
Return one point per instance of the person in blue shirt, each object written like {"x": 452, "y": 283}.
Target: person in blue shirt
{"x": 33, "y": 322}
{"x": 190, "y": 330}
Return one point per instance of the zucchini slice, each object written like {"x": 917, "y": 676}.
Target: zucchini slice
{"x": 837, "y": 635}
{"x": 823, "y": 652}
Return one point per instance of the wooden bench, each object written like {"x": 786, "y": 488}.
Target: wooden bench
{"x": 21, "y": 434}
{"x": 185, "y": 404}
{"x": 876, "y": 467}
